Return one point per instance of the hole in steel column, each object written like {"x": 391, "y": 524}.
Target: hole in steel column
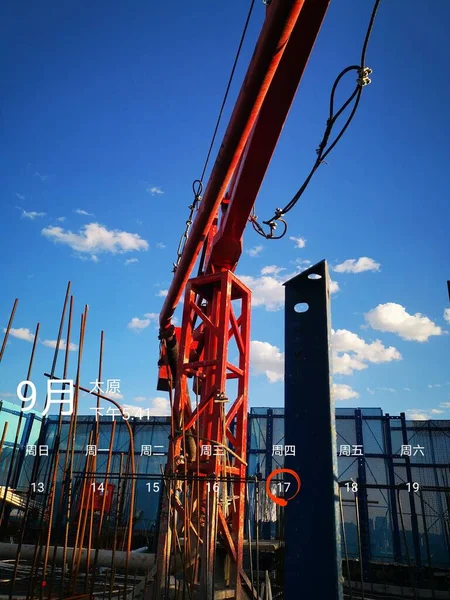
{"x": 301, "y": 307}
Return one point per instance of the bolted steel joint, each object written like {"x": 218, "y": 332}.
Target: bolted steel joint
{"x": 363, "y": 78}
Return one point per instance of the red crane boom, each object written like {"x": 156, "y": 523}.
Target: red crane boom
{"x": 205, "y": 495}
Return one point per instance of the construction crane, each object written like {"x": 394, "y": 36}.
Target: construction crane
{"x": 203, "y": 506}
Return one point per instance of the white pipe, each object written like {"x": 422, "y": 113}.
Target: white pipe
{"x": 136, "y": 560}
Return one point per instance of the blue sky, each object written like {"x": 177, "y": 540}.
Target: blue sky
{"x": 106, "y": 114}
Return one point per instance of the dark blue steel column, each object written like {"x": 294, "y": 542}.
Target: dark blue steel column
{"x": 392, "y": 494}
{"x": 362, "y": 499}
{"x": 312, "y": 566}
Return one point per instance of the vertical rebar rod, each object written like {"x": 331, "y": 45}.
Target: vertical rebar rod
{"x": 208, "y": 525}
{"x": 405, "y": 540}
{"x": 71, "y": 439}
{"x": 344, "y": 538}
{"x": 60, "y": 417}
{"x": 57, "y": 445}
{"x": 8, "y": 329}
{"x": 358, "y": 531}
{"x": 186, "y": 557}
{"x": 2, "y": 441}
{"x": 94, "y": 465}
{"x": 125, "y": 494}
{"x": 83, "y": 514}
{"x": 54, "y": 461}
{"x": 117, "y": 517}
{"x": 102, "y": 511}
{"x": 427, "y": 543}
{"x": 257, "y": 534}
{"x": 49, "y": 530}
{"x": 12, "y": 465}
{"x": 38, "y": 548}
{"x": 250, "y": 549}
{"x": 197, "y": 545}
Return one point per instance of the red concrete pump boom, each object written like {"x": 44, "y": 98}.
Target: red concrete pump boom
{"x": 204, "y": 503}
{"x": 279, "y": 61}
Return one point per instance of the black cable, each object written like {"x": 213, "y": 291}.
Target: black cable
{"x": 362, "y": 80}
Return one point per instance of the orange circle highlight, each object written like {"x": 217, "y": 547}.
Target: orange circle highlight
{"x": 276, "y": 499}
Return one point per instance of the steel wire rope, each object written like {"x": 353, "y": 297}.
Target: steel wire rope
{"x": 362, "y": 81}
{"x": 197, "y": 184}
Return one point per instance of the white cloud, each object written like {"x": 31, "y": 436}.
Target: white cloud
{"x": 344, "y": 364}
{"x": 393, "y": 318}
{"x": 353, "y": 265}
{"x": 343, "y": 391}
{"x": 255, "y": 251}
{"x": 94, "y": 238}
{"x": 445, "y": 404}
{"x": 61, "y": 219}
{"x": 159, "y": 407}
{"x": 80, "y": 211}
{"x": 114, "y": 395}
{"x": 156, "y": 407}
{"x": 41, "y": 177}
{"x": 447, "y": 315}
{"x": 152, "y": 316}
{"x": 20, "y": 196}
{"x": 155, "y": 190}
{"x": 383, "y": 389}
{"x": 160, "y": 246}
{"x": 92, "y": 257}
{"x": 267, "y": 291}
{"x": 407, "y": 389}
{"x": 344, "y": 342}
{"x": 137, "y": 324}
{"x": 62, "y": 345}
{"x": 415, "y": 414}
{"x": 268, "y": 360}
{"x": 302, "y": 264}
{"x": 22, "y": 333}
{"x": 418, "y": 414}
{"x": 333, "y": 286}
{"x": 299, "y": 241}
{"x": 30, "y": 215}
{"x": 272, "y": 270}
{"x": 7, "y": 395}
{"x": 162, "y": 293}
{"x": 131, "y": 261}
